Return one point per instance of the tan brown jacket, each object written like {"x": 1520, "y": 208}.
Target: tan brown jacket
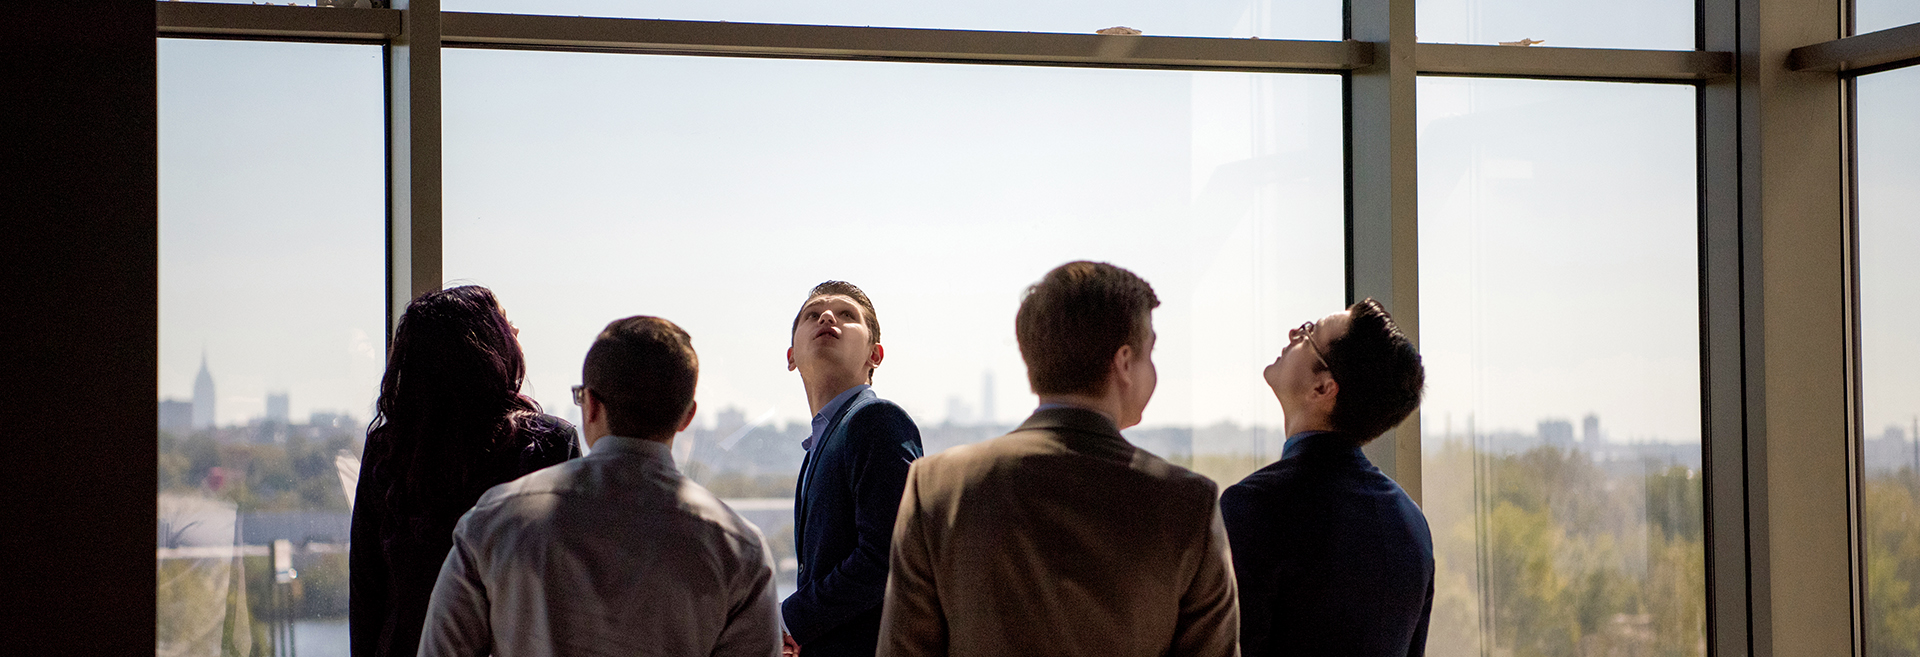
{"x": 1060, "y": 538}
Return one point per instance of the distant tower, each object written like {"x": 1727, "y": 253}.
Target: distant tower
{"x": 1590, "y": 429}
{"x": 203, "y": 396}
{"x": 986, "y": 397}
{"x": 277, "y": 408}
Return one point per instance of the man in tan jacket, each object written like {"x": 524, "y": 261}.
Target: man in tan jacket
{"x": 1061, "y": 538}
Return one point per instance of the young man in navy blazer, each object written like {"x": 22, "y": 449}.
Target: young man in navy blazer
{"x": 851, "y": 479}
{"x": 1332, "y": 557}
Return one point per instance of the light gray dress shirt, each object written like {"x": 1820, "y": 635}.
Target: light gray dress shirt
{"x": 612, "y": 553}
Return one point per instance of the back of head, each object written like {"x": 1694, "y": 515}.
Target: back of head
{"x": 1072, "y": 322}
{"x": 644, "y": 370}
{"x": 450, "y": 393}
{"x": 1379, "y": 372}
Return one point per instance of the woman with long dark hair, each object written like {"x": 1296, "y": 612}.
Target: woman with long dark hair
{"x": 450, "y": 423}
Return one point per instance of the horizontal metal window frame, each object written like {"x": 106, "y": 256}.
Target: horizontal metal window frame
{"x": 201, "y": 20}
{"x": 1872, "y": 52}
{"x": 722, "y": 39}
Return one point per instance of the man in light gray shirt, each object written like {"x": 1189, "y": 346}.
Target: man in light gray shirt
{"x": 616, "y": 552}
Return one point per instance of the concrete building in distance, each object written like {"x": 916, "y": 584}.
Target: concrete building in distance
{"x": 277, "y": 408}
{"x": 176, "y": 416}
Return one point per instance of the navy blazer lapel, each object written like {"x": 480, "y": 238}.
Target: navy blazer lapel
{"x": 809, "y": 464}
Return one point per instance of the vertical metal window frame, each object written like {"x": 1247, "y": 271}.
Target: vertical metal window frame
{"x": 1850, "y": 57}
{"x": 1784, "y": 564}
{"x": 414, "y": 184}
{"x": 1383, "y": 223}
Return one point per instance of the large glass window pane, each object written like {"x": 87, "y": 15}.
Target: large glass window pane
{"x": 1266, "y": 19}
{"x": 272, "y": 225}
{"x": 1875, "y": 15}
{"x": 1889, "y": 235}
{"x": 716, "y": 192}
{"x": 1560, "y": 326}
{"x": 1648, "y": 24}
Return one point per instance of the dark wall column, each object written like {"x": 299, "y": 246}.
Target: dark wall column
{"x": 78, "y": 316}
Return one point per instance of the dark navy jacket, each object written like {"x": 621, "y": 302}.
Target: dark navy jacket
{"x": 1332, "y": 557}
{"x": 849, "y": 492}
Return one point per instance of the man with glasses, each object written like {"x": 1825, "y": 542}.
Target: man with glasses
{"x": 1331, "y": 556}
{"x": 850, "y": 481}
{"x": 616, "y": 552}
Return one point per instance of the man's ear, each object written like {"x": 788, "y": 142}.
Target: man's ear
{"x": 1121, "y": 370}
{"x": 592, "y": 410}
{"x": 687, "y": 420}
{"x": 1326, "y": 388}
{"x": 790, "y": 364}
{"x": 878, "y": 354}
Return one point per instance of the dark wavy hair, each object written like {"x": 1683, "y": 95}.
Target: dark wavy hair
{"x": 1380, "y": 374}
{"x": 450, "y": 395}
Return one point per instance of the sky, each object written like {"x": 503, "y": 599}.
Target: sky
{"x": 1557, "y": 238}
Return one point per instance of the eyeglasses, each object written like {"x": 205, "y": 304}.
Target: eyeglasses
{"x": 1305, "y": 331}
{"x": 580, "y": 395}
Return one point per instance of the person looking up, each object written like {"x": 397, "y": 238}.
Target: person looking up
{"x": 1061, "y": 538}
{"x": 450, "y": 423}
{"x": 850, "y": 480}
{"x": 617, "y": 552}
{"x": 1332, "y": 556}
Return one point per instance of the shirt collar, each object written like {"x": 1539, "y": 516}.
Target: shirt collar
{"x": 825, "y": 416}
{"x": 637, "y": 446}
{"x": 1318, "y": 441}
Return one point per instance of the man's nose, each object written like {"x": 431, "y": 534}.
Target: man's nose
{"x": 826, "y": 317}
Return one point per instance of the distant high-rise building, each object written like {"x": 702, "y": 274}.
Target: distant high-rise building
{"x": 1590, "y": 429}
{"x": 277, "y": 408}
{"x": 957, "y": 411}
{"x": 1558, "y": 433}
{"x": 986, "y": 398}
{"x": 203, "y": 417}
{"x": 176, "y": 416}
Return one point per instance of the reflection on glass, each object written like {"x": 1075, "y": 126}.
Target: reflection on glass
{"x": 1648, "y": 24}
{"x": 1875, "y": 15}
{"x": 716, "y": 192}
{"x": 1559, "y": 323}
{"x": 1889, "y": 234}
{"x": 1266, "y": 19}
{"x": 272, "y": 220}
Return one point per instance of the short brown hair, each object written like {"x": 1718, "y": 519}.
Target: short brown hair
{"x": 644, "y": 370}
{"x": 1073, "y": 320}
{"x": 851, "y": 291}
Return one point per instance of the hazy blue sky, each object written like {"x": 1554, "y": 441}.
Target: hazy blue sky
{"x": 1557, "y": 245}
{"x": 1557, "y": 217}
{"x": 1889, "y": 153}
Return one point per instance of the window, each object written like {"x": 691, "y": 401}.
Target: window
{"x": 272, "y": 224}
{"x": 1560, "y": 329}
{"x": 1876, "y": 15}
{"x": 1889, "y": 232}
{"x": 1649, "y": 24}
{"x": 716, "y": 192}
